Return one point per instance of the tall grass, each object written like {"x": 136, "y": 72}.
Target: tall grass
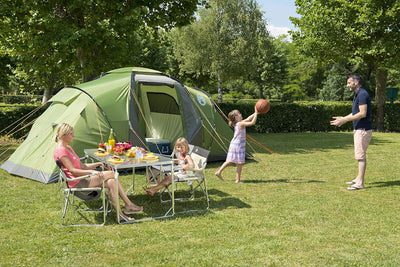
{"x": 293, "y": 209}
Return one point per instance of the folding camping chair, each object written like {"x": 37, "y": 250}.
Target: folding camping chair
{"x": 85, "y": 195}
{"x": 195, "y": 177}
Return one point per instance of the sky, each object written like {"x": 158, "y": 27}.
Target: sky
{"x": 277, "y": 13}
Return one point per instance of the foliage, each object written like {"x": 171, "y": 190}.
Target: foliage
{"x": 307, "y": 116}
{"x": 361, "y": 31}
{"x": 16, "y": 120}
{"x": 6, "y": 65}
{"x": 21, "y": 99}
{"x": 291, "y": 210}
{"x": 305, "y": 76}
{"x": 335, "y": 88}
{"x": 392, "y": 115}
{"x": 55, "y": 41}
{"x": 272, "y": 70}
{"x": 282, "y": 117}
{"x": 223, "y": 43}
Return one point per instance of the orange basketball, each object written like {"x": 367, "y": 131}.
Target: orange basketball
{"x": 262, "y": 106}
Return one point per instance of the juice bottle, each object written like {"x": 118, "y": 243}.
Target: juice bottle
{"x": 111, "y": 140}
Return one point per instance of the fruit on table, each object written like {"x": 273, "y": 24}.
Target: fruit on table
{"x": 125, "y": 145}
{"x": 103, "y": 145}
{"x": 119, "y": 150}
{"x": 131, "y": 153}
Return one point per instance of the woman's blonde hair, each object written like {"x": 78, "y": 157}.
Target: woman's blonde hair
{"x": 63, "y": 130}
{"x": 232, "y": 117}
{"x": 183, "y": 142}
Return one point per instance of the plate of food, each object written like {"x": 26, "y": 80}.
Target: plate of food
{"x": 150, "y": 157}
{"x": 101, "y": 152}
{"x": 115, "y": 159}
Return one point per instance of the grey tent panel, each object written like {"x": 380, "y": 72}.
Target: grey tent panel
{"x": 30, "y": 173}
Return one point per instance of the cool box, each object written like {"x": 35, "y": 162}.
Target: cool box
{"x": 163, "y": 145}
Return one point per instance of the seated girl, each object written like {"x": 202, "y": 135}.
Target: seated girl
{"x": 184, "y": 161}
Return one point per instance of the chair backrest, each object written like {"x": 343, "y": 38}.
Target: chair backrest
{"x": 199, "y": 156}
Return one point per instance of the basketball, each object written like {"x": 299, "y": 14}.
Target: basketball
{"x": 262, "y": 106}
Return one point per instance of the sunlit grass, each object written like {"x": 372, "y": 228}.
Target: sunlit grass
{"x": 293, "y": 209}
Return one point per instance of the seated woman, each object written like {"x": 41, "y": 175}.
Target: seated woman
{"x": 73, "y": 167}
{"x": 184, "y": 161}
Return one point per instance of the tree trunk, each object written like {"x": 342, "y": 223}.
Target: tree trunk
{"x": 219, "y": 90}
{"x": 48, "y": 90}
{"x": 46, "y": 95}
{"x": 260, "y": 93}
{"x": 380, "y": 97}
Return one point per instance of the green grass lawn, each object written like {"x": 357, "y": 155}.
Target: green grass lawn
{"x": 293, "y": 209}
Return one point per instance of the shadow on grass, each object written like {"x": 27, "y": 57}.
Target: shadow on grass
{"x": 289, "y": 143}
{"x": 385, "y": 184}
{"x": 282, "y": 181}
{"x": 226, "y": 200}
{"x": 219, "y": 200}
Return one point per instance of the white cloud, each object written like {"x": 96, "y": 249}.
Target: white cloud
{"x": 277, "y": 31}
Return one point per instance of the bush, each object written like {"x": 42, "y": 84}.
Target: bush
{"x": 282, "y": 117}
{"x": 307, "y": 116}
{"x": 14, "y": 115}
{"x": 21, "y": 99}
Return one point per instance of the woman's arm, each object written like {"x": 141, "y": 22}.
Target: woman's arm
{"x": 76, "y": 172}
{"x": 91, "y": 166}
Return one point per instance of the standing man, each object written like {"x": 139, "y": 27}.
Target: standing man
{"x": 361, "y": 118}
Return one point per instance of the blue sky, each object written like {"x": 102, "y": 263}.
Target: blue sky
{"x": 277, "y": 13}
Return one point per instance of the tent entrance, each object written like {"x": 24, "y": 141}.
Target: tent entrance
{"x": 162, "y": 113}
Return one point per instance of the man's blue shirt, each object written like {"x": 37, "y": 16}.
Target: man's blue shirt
{"x": 361, "y": 97}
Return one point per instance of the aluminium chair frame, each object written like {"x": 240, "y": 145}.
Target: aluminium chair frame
{"x": 195, "y": 175}
{"x": 85, "y": 194}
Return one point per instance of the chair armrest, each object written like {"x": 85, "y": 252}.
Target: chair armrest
{"x": 78, "y": 178}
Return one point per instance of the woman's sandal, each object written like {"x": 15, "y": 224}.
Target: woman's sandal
{"x": 124, "y": 218}
{"x": 135, "y": 210}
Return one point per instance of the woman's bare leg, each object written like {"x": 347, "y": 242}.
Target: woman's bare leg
{"x": 110, "y": 183}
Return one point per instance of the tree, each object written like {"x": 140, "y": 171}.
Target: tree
{"x": 55, "y": 39}
{"x": 5, "y": 71}
{"x": 305, "y": 75}
{"x": 335, "y": 88}
{"x": 272, "y": 68}
{"x": 364, "y": 31}
{"x": 224, "y": 42}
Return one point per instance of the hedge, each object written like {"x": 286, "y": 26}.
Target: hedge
{"x": 282, "y": 117}
{"x": 308, "y": 116}
{"x": 13, "y": 120}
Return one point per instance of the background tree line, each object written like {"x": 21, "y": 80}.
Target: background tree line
{"x": 220, "y": 46}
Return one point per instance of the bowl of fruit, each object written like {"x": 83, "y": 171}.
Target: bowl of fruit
{"x": 126, "y": 145}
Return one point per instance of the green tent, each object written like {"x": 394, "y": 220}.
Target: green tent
{"x": 140, "y": 105}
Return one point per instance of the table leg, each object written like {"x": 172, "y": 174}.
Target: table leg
{"x": 116, "y": 175}
{"x": 131, "y": 189}
{"x": 173, "y": 188}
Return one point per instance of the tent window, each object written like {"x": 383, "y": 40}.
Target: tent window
{"x": 162, "y": 103}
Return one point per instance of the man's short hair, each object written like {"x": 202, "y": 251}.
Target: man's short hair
{"x": 356, "y": 77}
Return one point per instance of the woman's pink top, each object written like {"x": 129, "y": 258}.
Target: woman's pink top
{"x": 60, "y": 152}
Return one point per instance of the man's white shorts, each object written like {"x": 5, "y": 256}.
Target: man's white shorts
{"x": 361, "y": 142}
